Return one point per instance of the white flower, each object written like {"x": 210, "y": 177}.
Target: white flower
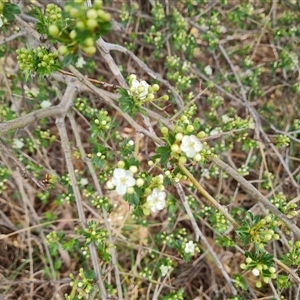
{"x": 144, "y": 93}
{"x": 205, "y": 173}
{"x": 122, "y": 179}
{"x": 226, "y": 119}
{"x": 18, "y": 144}
{"x": 45, "y": 104}
{"x": 110, "y": 185}
{"x": 139, "y": 88}
{"x": 84, "y": 181}
{"x": 1, "y": 22}
{"x": 131, "y": 143}
{"x": 255, "y": 272}
{"x": 208, "y": 70}
{"x": 165, "y": 270}
{"x": 190, "y": 247}
{"x": 190, "y": 145}
{"x": 80, "y": 62}
{"x": 215, "y": 131}
{"x": 156, "y": 200}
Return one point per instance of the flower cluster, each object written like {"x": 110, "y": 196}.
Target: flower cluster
{"x": 84, "y": 284}
{"x": 78, "y": 27}
{"x": 38, "y": 60}
{"x": 264, "y": 271}
{"x": 141, "y": 91}
{"x": 53, "y": 12}
{"x": 190, "y": 247}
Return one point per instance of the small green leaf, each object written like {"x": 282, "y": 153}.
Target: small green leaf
{"x": 163, "y": 153}
{"x": 10, "y": 10}
{"x": 70, "y": 59}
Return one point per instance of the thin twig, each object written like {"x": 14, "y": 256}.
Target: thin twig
{"x": 203, "y": 238}
{"x": 255, "y": 194}
{"x": 99, "y": 191}
{"x": 215, "y": 203}
{"x": 68, "y": 97}
{"x": 24, "y": 170}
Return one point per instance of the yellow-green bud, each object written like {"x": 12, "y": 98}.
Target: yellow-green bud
{"x": 104, "y": 15}
{"x": 133, "y": 169}
{"x": 140, "y": 182}
{"x": 150, "y": 97}
{"x": 89, "y": 50}
{"x": 190, "y": 128}
{"x": 201, "y": 135}
{"x": 91, "y": 24}
{"x": 155, "y": 87}
{"x": 130, "y": 190}
{"x": 53, "y": 30}
{"x": 182, "y": 159}
{"x": 121, "y": 164}
{"x": 175, "y": 148}
{"x": 80, "y": 25}
{"x": 89, "y": 41}
{"x": 91, "y": 14}
{"x": 73, "y": 34}
{"x": 197, "y": 157}
{"x": 178, "y": 136}
{"x": 164, "y": 130}
{"x": 147, "y": 191}
{"x": 74, "y": 12}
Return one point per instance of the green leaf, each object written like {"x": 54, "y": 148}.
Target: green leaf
{"x": 132, "y": 199}
{"x": 163, "y": 153}
{"x": 70, "y": 59}
{"x": 10, "y": 10}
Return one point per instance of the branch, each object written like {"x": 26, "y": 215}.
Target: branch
{"x": 69, "y": 95}
{"x": 255, "y": 194}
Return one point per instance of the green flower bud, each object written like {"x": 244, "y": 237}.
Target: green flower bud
{"x": 53, "y": 30}
{"x": 106, "y": 17}
{"x": 197, "y": 157}
{"x": 148, "y": 191}
{"x": 140, "y": 182}
{"x": 201, "y": 135}
{"x": 89, "y": 41}
{"x": 165, "y": 98}
{"x": 91, "y": 14}
{"x": 178, "y": 129}
{"x": 80, "y": 25}
{"x": 89, "y": 50}
{"x": 74, "y": 12}
{"x": 73, "y": 34}
{"x": 164, "y": 130}
{"x": 155, "y": 87}
{"x": 182, "y": 159}
{"x": 63, "y": 50}
{"x": 179, "y": 137}
{"x": 121, "y": 164}
{"x": 91, "y": 24}
{"x": 150, "y": 97}
{"x": 175, "y": 148}
{"x": 133, "y": 169}
{"x": 190, "y": 128}
{"x": 248, "y": 260}
{"x": 258, "y": 284}
{"x": 130, "y": 190}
